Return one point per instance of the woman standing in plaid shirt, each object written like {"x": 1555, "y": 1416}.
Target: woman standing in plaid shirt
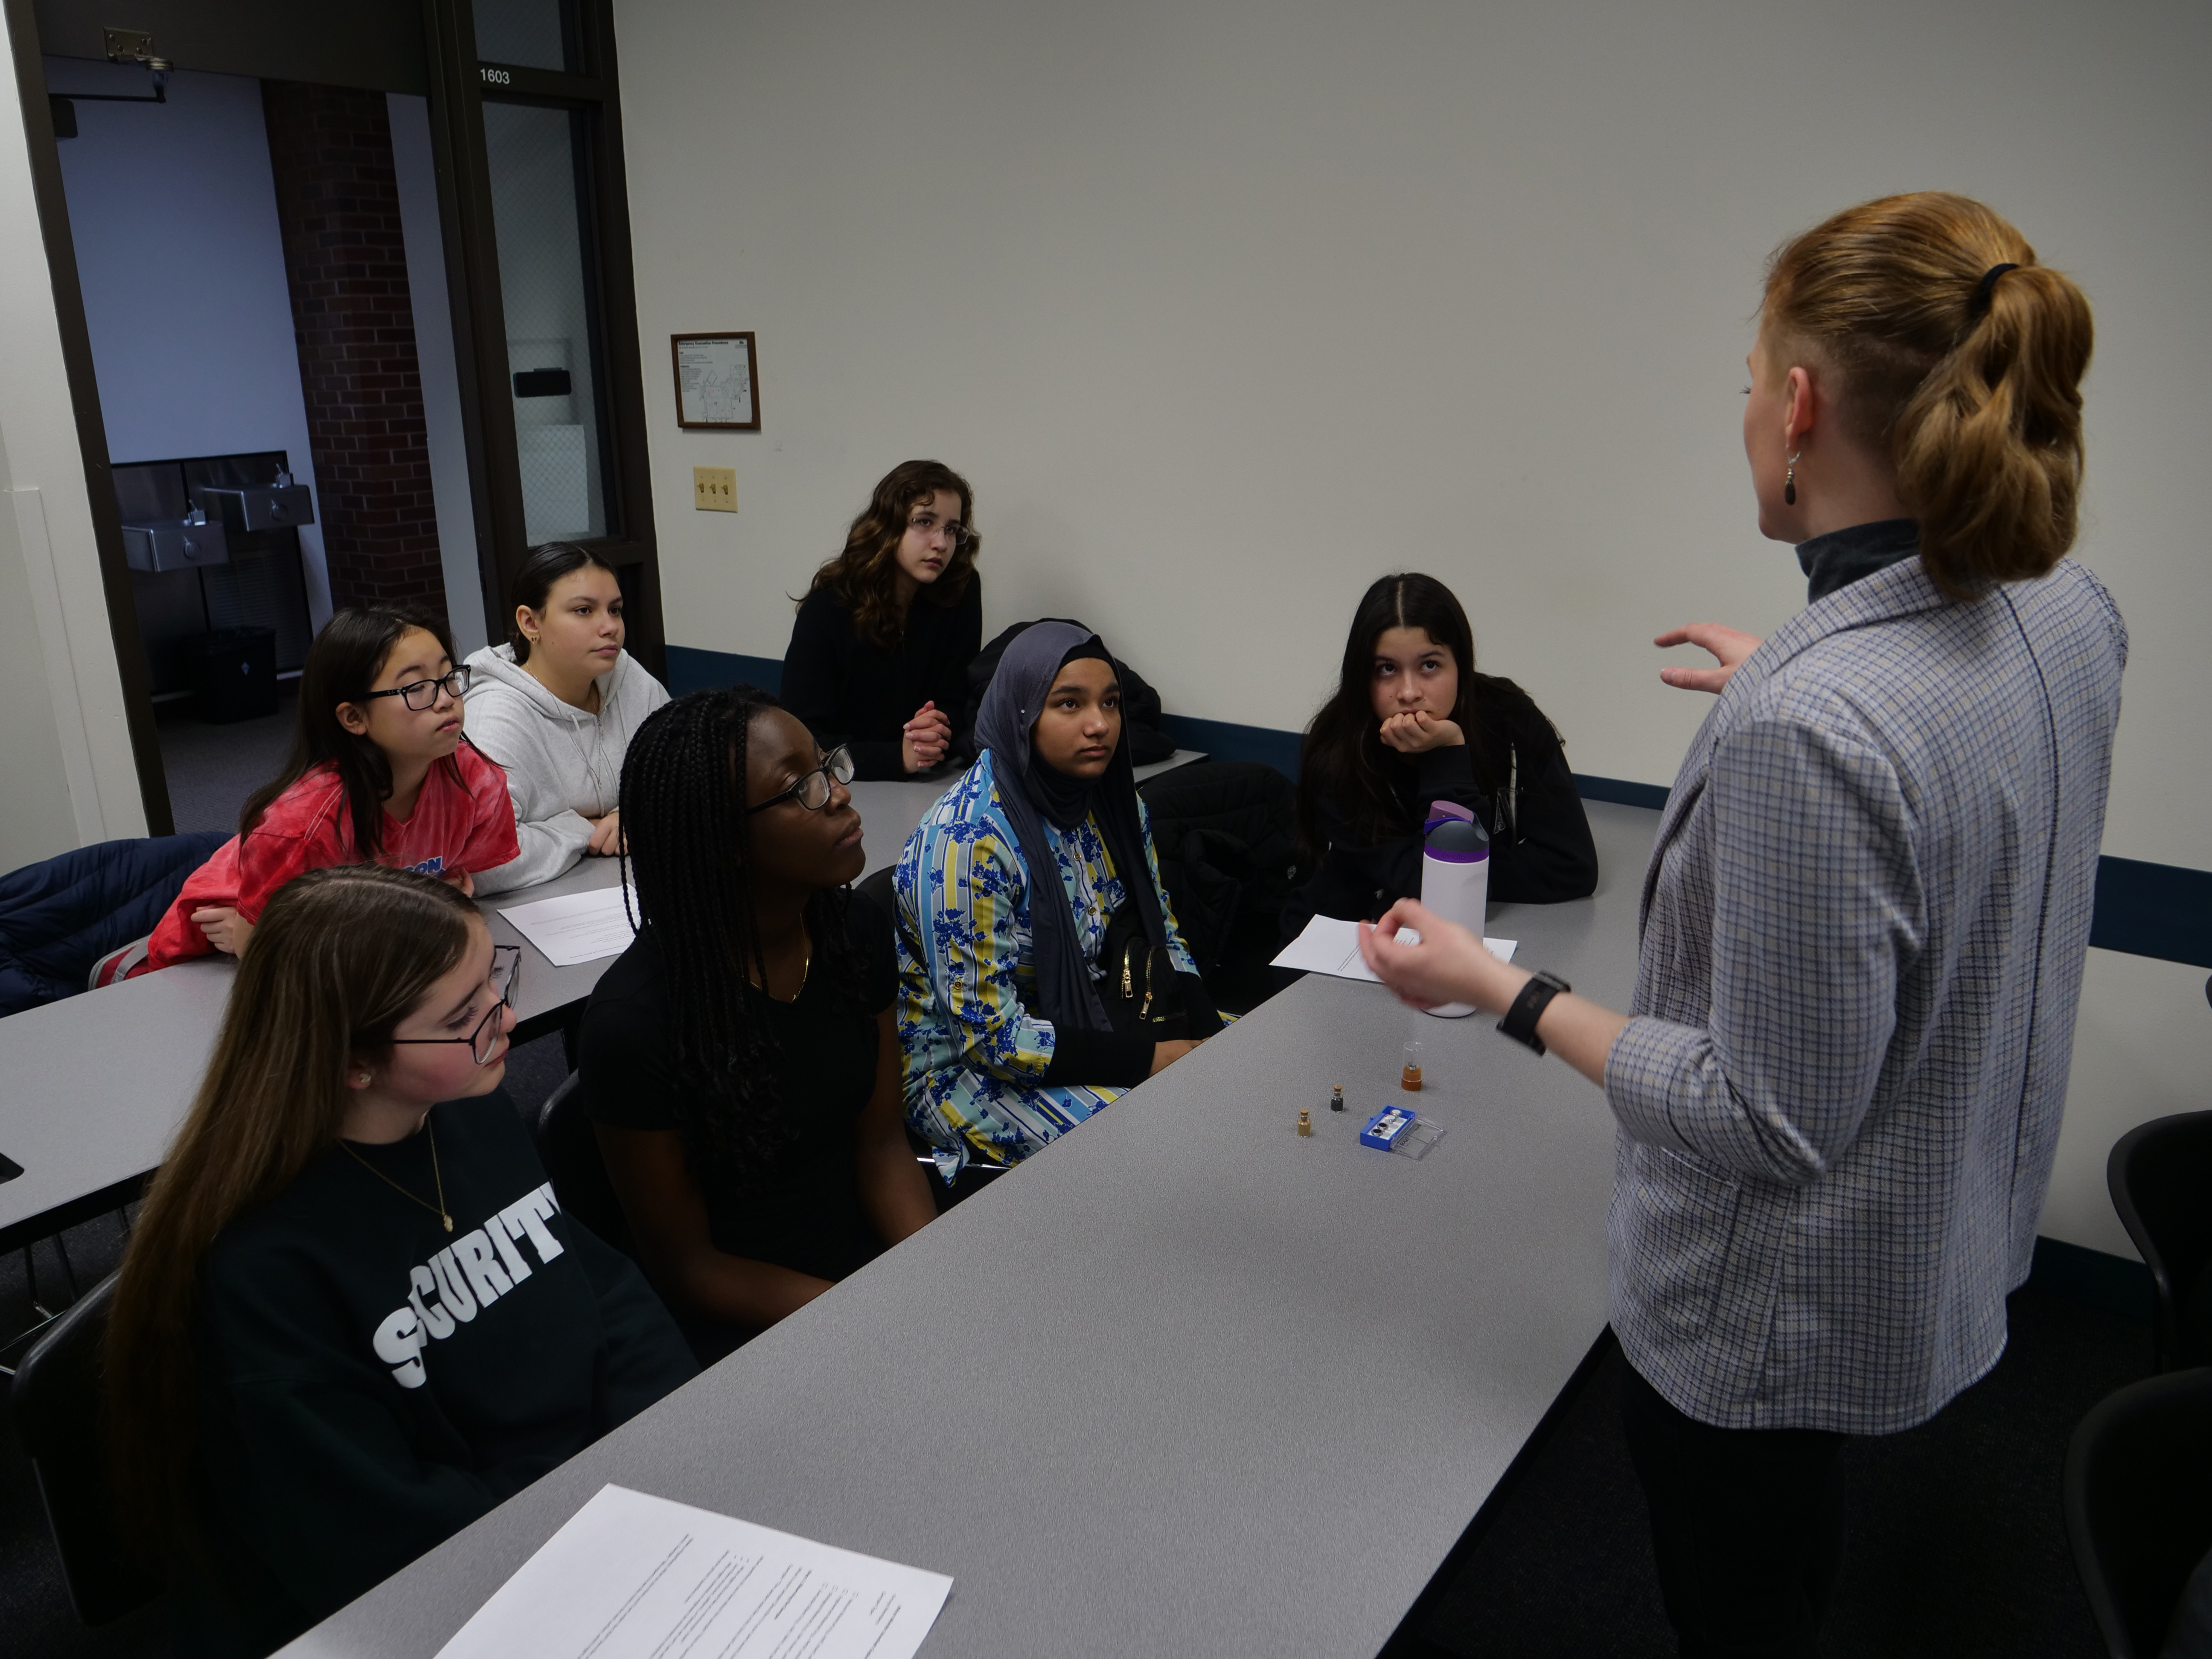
{"x": 1866, "y": 914}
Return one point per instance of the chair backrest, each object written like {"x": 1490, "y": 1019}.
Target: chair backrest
{"x": 2159, "y": 1175}
{"x": 55, "y": 1404}
{"x": 879, "y": 889}
{"x": 1226, "y": 835}
{"x": 570, "y": 1153}
{"x": 2138, "y": 1500}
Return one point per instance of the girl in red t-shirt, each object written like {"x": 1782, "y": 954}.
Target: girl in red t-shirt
{"x": 379, "y": 774}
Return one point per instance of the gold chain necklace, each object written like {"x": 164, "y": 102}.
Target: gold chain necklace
{"x": 437, "y": 1209}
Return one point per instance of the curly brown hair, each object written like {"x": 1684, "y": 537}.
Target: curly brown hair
{"x": 1970, "y": 385}
{"x": 864, "y": 577}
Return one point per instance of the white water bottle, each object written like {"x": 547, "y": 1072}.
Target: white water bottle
{"x": 1455, "y": 876}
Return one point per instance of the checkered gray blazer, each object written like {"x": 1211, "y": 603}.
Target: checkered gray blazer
{"x": 1863, "y": 929}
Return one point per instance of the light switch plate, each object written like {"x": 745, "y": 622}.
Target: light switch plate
{"x": 714, "y": 488}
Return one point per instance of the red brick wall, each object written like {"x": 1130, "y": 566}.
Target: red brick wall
{"x": 338, "y": 204}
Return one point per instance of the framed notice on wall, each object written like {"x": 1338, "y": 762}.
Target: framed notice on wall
{"x": 717, "y": 382}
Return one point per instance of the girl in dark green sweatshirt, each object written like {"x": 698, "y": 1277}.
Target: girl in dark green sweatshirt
{"x": 351, "y": 1321}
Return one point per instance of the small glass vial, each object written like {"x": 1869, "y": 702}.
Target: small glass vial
{"x": 1409, "y": 1068}
{"x": 1336, "y": 1098}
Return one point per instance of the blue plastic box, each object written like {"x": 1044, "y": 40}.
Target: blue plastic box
{"x": 1387, "y": 1127}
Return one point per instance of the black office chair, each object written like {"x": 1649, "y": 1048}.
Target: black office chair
{"x": 2159, "y": 1175}
{"x": 880, "y": 888}
{"x": 570, "y": 1152}
{"x": 2138, "y": 1501}
{"x": 55, "y": 1403}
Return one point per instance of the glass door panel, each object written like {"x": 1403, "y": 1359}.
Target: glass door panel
{"x": 529, "y": 34}
{"x": 537, "y": 172}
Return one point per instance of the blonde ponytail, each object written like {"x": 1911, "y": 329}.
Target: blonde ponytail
{"x": 1968, "y": 377}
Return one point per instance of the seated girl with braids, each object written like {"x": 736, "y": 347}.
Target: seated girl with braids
{"x": 350, "y": 1320}
{"x": 740, "y": 1061}
{"x": 1032, "y": 877}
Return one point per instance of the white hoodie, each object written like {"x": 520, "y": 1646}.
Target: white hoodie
{"x": 563, "y": 766}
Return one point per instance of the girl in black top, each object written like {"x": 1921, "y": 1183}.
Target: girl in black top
{"x": 1412, "y": 722}
{"x": 879, "y": 655}
{"x": 740, "y": 1061}
{"x": 350, "y": 1321}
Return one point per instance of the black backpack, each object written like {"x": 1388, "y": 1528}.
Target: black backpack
{"x": 1141, "y": 704}
{"x": 1226, "y": 836}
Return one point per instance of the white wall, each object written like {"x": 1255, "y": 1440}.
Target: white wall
{"x": 71, "y": 747}
{"x": 1227, "y": 306}
{"x": 181, "y": 260}
{"x": 37, "y": 821}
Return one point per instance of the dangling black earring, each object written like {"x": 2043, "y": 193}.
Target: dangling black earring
{"x": 1789, "y": 482}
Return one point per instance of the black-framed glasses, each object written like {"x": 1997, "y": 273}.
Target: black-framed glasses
{"x": 813, "y": 789}
{"x": 483, "y": 1042}
{"x": 419, "y": 695}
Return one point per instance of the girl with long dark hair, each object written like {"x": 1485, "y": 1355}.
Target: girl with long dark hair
{"x": 1040, "y": 972}
{"x": 350, "y": 1320}
{"x": 1412, "y": 722}
{"x": 738, "y": 1060}
{"x": 379, "y": 774}
{"x": 557, "y": 706}
{"x": 1840, "y": 1089}
{"x": 879, "y": 653}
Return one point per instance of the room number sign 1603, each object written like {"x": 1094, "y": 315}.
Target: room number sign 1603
{"x": 495, "y": 77}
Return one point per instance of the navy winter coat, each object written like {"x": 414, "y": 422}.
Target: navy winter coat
{"x": 58, "y": 918}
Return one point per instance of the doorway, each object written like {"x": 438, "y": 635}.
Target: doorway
{"x": 311, "y": 267}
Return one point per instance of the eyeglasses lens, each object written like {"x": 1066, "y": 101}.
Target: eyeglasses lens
{"x": 423, "y": 694}
{"x": 506, "y": 969}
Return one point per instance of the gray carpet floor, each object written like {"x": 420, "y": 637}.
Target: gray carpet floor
{"x": 213, "y": 769}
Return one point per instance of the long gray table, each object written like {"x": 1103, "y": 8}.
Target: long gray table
{"x": 92, "y": 1087}
{"x": 1184, "y": 1382}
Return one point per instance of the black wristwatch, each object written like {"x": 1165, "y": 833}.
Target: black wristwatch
{"x": 1520, "y": 1021}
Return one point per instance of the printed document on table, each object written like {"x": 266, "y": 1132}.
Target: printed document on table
{"x": 1332, "y": 946}
{"x": 576, "y": 927}
{"x": 632, "y": 1576}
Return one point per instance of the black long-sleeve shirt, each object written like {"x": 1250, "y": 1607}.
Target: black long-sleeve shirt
{"x": 851, "y": 690}
{"x": 1540, "y": 849}
{"x": 370, "y": 1383}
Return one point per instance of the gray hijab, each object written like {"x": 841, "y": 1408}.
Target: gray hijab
{"x": 1032, "y": 662}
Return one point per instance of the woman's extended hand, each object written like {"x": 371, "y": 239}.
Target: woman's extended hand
{"x": 1417, "y": 730}
{"x": 1730, "y": 645}
{"x": 606, "y": 836}
{"x": 926, "y": 738}
{"x": 1450, "y": 964}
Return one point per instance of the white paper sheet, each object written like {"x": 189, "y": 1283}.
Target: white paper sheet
{"x": 633, "y": 1576}
{"x": 576, "y": 927}
{"x": 1330, "y": 946}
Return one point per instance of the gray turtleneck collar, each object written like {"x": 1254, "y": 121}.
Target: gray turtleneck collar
{"x": 1843, "y": 556}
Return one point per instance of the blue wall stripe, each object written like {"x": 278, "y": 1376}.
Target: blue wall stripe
{"x": 1224, "y": 740}
{"x": 2160, "y": 911}
{"x": 1620, "y": 791}
{"x": 691, "y": 668}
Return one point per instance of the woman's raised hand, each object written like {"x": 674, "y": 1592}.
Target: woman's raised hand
{"x": 1730, "y": 645}
{"x": 926, "y": 738}
{"x": 1417, "y": 730}
{"x": 1450, "y": 964}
